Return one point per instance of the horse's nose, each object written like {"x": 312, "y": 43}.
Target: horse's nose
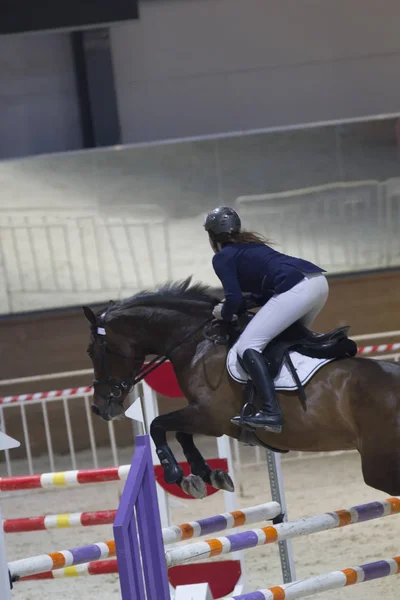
{"x": 95, "y": 410}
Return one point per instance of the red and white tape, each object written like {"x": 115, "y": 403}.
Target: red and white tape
{"x": 378, "y": 349}
{"x": 79, "y": 391}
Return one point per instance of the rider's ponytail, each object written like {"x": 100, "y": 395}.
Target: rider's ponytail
{"x": 247, "y": 237}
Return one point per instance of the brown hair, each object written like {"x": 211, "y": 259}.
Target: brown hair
{"x": 241, "y": 237}
{"x": 248, "y": 237}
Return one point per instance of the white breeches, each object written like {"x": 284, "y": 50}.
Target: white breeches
{"x": 302, "y": 303}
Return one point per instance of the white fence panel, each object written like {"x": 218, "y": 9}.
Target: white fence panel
{"x": 96, "y": 456}
{"x": 341, "y": 226}
{"x": 50, "y": 259}
{"x": 63, "y": 257}
{"x": 391, "y": 196}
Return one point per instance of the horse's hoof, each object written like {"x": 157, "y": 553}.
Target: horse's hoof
{"x": 194, "y": 486}
{"x": 221, "y": 480}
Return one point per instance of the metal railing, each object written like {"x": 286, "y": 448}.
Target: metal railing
{"x": 96, "y": 456}
{"x": 59, "y": 256}
{"x": 345, "y": 226}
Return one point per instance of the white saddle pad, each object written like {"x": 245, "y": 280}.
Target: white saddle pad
{"x": 305, "y": 366}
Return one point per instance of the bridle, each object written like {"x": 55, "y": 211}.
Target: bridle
{"x": 117, "y": 386}
{"x": 140, "y": 370}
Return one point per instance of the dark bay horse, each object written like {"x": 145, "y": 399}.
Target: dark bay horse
{"x": 352, "y": 403}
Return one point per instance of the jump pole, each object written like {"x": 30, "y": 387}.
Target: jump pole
{"x": 171, "y": 535}
{"x": 43, "y": 563}
{"x": 328, "y": 581}
{"x": 282, "y": 531}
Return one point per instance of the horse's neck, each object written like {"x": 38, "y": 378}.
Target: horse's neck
{"x": 167, "y": 333}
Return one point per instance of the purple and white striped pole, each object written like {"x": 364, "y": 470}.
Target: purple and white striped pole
{"x": 57, "y": 560}
{"x": 328, "y": 581}
{"x": 283, "y": 531}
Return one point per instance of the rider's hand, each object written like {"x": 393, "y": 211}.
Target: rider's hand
{"x": 217, "y": 312}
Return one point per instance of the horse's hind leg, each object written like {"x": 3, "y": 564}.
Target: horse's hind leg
{"x": 381, "y": 467}
{"x": 379, "y": 447}
{"x": 218, "y": 478}
{"x": 187, "y": 421}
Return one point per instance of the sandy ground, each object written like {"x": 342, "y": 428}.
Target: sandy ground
{"x": 313, "y": 485}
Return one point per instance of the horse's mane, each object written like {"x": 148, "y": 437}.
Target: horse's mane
{"x": 178, "y": 295}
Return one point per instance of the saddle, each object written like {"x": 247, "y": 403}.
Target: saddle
{"x": 332, "y": 345}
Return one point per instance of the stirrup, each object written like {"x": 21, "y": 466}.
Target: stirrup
{"x": 248, "y": 413}
{"x": 248, "y": 410}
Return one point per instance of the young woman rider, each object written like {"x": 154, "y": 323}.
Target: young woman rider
{"x": 288, "y": 288}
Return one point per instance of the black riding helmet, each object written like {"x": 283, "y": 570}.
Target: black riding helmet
{"x": 222, "y": 222}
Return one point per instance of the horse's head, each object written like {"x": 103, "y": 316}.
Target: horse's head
{"x": 162, "y": 323}
{"x": 116, "y": 362}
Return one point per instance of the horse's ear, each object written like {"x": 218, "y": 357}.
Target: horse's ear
{"x": 89, "y": 314}
{"x": 111, "y": 303}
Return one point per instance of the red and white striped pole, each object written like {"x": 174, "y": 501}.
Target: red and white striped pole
{"x": 61, "y": 521}
{"x": 96, "y": 567}
{"x": 64, "y": 479}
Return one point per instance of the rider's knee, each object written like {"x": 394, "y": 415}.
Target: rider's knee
{"x": 240, "y": 350}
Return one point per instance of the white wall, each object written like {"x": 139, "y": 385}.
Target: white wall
{"x": 194, "y": 67}
{"x": 38, "y": 104}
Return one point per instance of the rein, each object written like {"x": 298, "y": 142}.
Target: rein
{"x": 118, "y": 387}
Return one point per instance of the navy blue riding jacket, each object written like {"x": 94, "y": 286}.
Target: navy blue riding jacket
{"x": 257, "y": 269}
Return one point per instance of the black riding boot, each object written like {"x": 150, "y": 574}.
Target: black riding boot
{"x": 270, "y": 415}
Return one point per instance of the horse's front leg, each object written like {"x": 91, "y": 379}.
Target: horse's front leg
{"x": 217, "y": 478}
{"x": 186, "y": 422}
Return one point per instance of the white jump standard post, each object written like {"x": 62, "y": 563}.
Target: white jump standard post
{"x": 6, "y": 443}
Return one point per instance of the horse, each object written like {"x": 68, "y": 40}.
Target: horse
{"x": 352, "y": 403}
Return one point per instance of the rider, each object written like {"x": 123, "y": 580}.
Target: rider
{"x": 288, "y": 288}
